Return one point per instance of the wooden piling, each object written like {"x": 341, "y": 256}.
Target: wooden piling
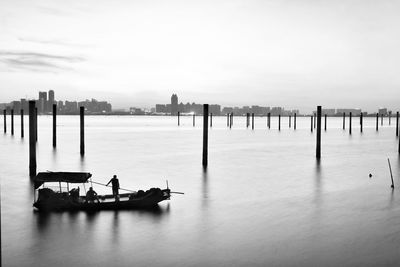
{"x": 361, "y": 122}
{"x": 279, "y": 122}
{"x": 325, "y": 122}
{"x": 22, "y": 123}
{"x": 36, "y": 124}
{"x": 344, "y": 120}
{"x": 252, "y": 121}
{"x": 12, "y": 121}
{"x": 247, "y": 120}
{"x": 179, "y": 123}
{"x": 390, "y": 118}
{"x": 227, "y": 120}
{"x": 294, "y": 122}
{"x": 210, "y": 119}
{"x": 318, "y": 151}
{"x": 194, "y": 119}
{"x": 377, "y": 119}
{"x": 32, "y": 139}
{"x": 231, "y": 121}
{"x": 381, "y": 119}
{"x": 350, "y": 116}
{"x": 312, "y": 118}
{"x": 5, "y": 120}
{"x": 290, "y": 121}
{"x": 397, "y": 123}
{"x": 269, "y": 120}
{"x": 54, "y": 125}
{"x": 82, "y": 124}
{"x": 205, "y": 135}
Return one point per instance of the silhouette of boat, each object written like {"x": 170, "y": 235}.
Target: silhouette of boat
{"x": 50, "y": 200}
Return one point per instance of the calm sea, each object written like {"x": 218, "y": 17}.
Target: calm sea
{"x": 264, "y": 200}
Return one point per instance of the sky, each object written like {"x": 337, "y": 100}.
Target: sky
{"x": 292, "y": 53}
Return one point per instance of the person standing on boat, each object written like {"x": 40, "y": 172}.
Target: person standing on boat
{"x": 115, "y": 187}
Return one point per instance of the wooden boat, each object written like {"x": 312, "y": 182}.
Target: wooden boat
{"x": 50, "y": 200}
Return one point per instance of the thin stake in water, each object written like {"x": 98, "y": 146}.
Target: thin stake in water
{"x": 391, "y": 174}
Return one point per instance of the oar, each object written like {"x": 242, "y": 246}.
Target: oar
{"x": 119, "y": 188}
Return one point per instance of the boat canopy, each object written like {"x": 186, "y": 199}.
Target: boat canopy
{"x": 68, "y": 177}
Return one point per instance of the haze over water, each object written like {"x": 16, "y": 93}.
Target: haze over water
{"x": 264, "y": 200}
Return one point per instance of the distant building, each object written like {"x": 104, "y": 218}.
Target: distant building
{"x": 42, "y": 102}
{"x": 174, "y": 104}
{"x": 51, "y": 101}
{"x": 383, "y": 111}
{"x": 354, "y": 111}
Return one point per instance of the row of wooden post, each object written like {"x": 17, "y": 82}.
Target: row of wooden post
{"x": 33, "y": 133}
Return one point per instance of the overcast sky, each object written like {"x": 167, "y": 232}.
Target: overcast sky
{"x": 292, "y": 53}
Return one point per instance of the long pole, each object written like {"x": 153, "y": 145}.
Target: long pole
{"x": 397, "y": 123}
{"x": 179, "y": 118}
{"x": 344, "y": 120}
{"x": 294, "y": 124}
{"x": 12, "y": 121}
{"x": 252, "y": 121}
{"x": 36, "y": 123}
{"x": 210, "y": 119}
{"x": 269, "y": 120}
{"x": 5, "y": 120}
{"x": 382, "y": 119}
{"x": 377, "y": 119}
{"x": 194, "y": 119}
{"x": 227, "y": 120}
{"x": 361, "y": 122}
{"x": 54, "y": 125}
{"x": 325, "y": 122}
{"x": 279, "y": 122}
{"x": 205, "y": 135}
{"x": 22, "y": 123}
{"x": 32, "y": 139}
{"x": 82, "y": 124}
{"x": 391, "y": 174}
{"x": 312, "y": 123}
{"x": 290, "y": 121}
{"x": 318, "y": 152}
{"x": 350, "y": 116}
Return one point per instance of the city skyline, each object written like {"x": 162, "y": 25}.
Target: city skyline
{"x": 298, "y": 54}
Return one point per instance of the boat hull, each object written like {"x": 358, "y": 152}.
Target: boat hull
{"x": 147, "y": 201}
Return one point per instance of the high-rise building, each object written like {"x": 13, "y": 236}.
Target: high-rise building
{"x": 174, "y": 104}
{"x": 51, "y": 101}
{"x": 42, "y": 103}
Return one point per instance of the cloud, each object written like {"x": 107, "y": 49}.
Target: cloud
{"x": 34, "y": 61}
{"x": 52, "y": 42}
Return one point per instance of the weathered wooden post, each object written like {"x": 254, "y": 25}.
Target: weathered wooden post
{"x": 22, "y": 123}
{"x": 12, "y": 121}
{"x": 179, "y": 122}
{"x": 382, "y": 119}
{"x": 252, "y": 121}
{"x": 377, "y": 119}
{"x": 231, "y": 122}
{"x": 247, "y": 120}
{"x": 82, "y": 117}
{"x": 290, "y": 121}
{"x": 325, "y": 123}
{"x": 194, "y": 119}
{"x": 205, "y": 135}
{"x": 312, "y": 127}
{"x": 5, "y": 120}
{"x": 344, "y": 120}
{"x": 397, "y": 123}
{"x": 350, "y": 116}
{"x": 32, "y": 139}
{"x": 294, "y": 122}
{"x": 54, "y": 125}
{"x": 210, "y": 119}
{"x": 36, "y": 123}
{"x": 361, "y": 122}
{"x": 227, "y": 119}
{"x": 279, "y": 122}
{"x": 269, "y": 120}
{"x": 318, "y": 152}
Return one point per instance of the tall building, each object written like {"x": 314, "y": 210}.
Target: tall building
{"x": 51, "y": 101}
{"x": 42, "y": 102}
{"x": 174, "y": 104}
